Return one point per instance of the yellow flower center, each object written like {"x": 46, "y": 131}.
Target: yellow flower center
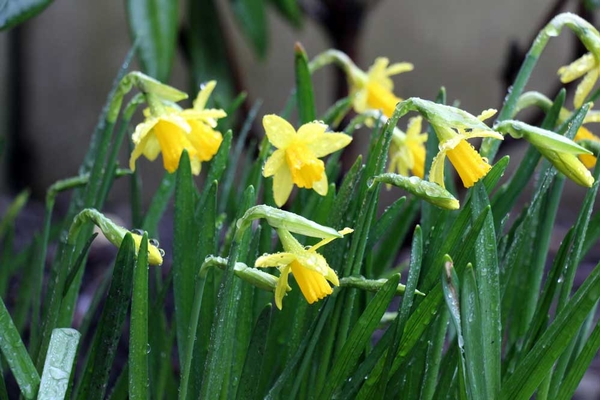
{"x": 172, "y": 140}
{"x": 584, "y": 134}
{"x": 313, "y": 285}
{"x": 306, "y": 169}
{"x": 468, "y": 163}
{"x": 379, "y": 98}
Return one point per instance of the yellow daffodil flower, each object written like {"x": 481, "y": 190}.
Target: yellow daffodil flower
{"x": 471, "y": 167}
{"x": 407, "y": 151}
{"x": 169, "y": 130}
{"x": 584, "y": 134}
{"x": 296, "y": 160}
{"x": 374, "y": 89}
{"x": 587, "y": 65}
{"x": 310, "y": 269}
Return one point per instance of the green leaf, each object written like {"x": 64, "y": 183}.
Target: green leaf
{"x": 540, "y": 360}
{"x": 359, "y": 337}
{"x": 208, "y": 50}
{"x": 184, "y": 261}
{"x": 290, "y": 9}
{"x": 13, "y": 13}
{"x": 488, "y": 285}
{"x": 304, "y": 89}
{"x": 220, "y": 351}
{"x": 11, "y": 213}
{"x": 138, "y": 337}
{"x": 248, "y": 389}
{"x": 60, "y": 363}
{"x": 16, "y": 355}
{"x": 473, "y": 326}
{"x": 452, "y": 294}
{"x": 99, "y": 364}
{"x": 580, "y": 365}
{"x": 252, "y": 18}
{"x": 153, "y": 26}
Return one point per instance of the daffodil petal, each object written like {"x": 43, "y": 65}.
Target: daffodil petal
{"x": 142, "y": 129}
{"x": 577, "y": 68}
{"x": 151, "y": 148}
{"x": 313, "y": 285}
{"x": 485, "y": 114}
{"x": 275, "y": 260}
{"x": 138, "y": 150}
{"x": 273, "y": 163}
{"x": 204, "y": 94}
{"x": 282, "y": 285}
{"x": 323, "y": 242}
{"x": 329, "y": 143}
{"x": 282, "y": 185}
{"x": 398, "y": 68}
{"x": 311, "y": 131}
{"x": 414, "y": 126}
{"x": 278, "y": 130}
{"x": 332, "y": 277}
{"x": 436, "y": 174}
{"x": 476, "y": 133}
{"x": 321, "y": 186}
{"x": 585, "y": 87}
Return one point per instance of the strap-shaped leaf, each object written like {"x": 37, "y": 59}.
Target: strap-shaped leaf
{"x": 13, "y": 13}
{"x": 153, "y": 26}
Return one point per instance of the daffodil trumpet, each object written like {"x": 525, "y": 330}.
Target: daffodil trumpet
{"x": 309, "y": 268}
{"x": 114, "y": 233}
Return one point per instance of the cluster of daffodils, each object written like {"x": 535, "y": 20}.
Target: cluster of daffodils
{"x": 296, "y": 158}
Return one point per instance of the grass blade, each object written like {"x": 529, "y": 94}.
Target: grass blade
{"x": 138, "y": 338}
{"x": 60, "y": 363}
{"x": 16, "y": 355}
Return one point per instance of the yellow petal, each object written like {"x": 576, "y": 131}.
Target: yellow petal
{"x": 139, "y": 149}
{"x": 468, "y": 163}
{"x": 485, "y": 114}
{"x": 417, "y": 152}
{"x": 142, "y": 129}
{"x": 152, "y": 148}
{"x": 204, "y": 94}
{"x": 414, "y": 127}
{"x": 436, "y": 174}
{"x": 275, "y": 260}
{"x": 585, "y": 87}
{"x": 332, "y": 277}
{"x": 282, "y": 285}
{"x": 313, "y": 285}
{"x": 321, "y": 186}
{"x": 273, "y": 163}
{"x": 577, "y": 68}
{"x": 478, "y": 133}
{"x": 399, "y": 68}
{"x": 282, "y": 185}
{"x": 278, "y": 130}
{"x": 312, "y": 131}
{"x": 329, "y": 143}
{"x": 323, "y": 242}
